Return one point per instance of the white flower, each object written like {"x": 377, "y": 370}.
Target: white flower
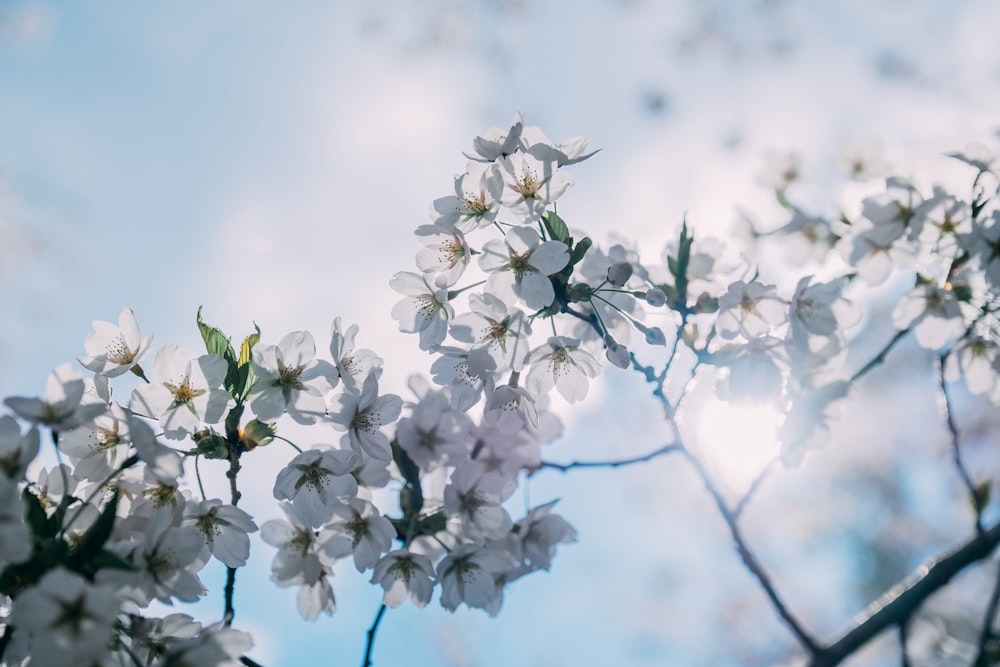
{"x": 975, "y": 360}
{"x": 16, "y": 450}
{"x": 402, "y": 575}
{"x": 752, "y": 310}
{"x": 509, "y": 409}
{"x": 63, "y": 408}
{"x": 301, "y": 559}
{"x": 358, "y": 529}
{"x": 538, "y": 534}
{"x": 99, "y": 448}
{"x": 112, "y": 349}
{"x": 476, "y": 200}
{"x": 754, "y": 373}
{"x": 425, "y": 310}
{"x": 225, "y": 529}
{"x": 563, "y": 364}
{"x": 520, "y": 264}
{"x": 316, "y": 481}
{"x": 363, "y": 415}
{"x": 185, "y": 392}
{"x": 162, "y": 463}
{"x": 445, "y": 251}
{"x": 215, "y": 646}
{"x": 435, "y": 433}
{"x": 495, "y": 142}
{"x": 497, "y": 330}
{"x": 934, "y": 314}
{"x": 65, "y": 620}
{"x": 289, "y": 378}
{"x": 820, "y": 310}
{"x": 353, "y": 365}
{"x": 452, "y": 370}
{"x": 530, "y": 185}
{"x": 166, "y": 562}
{"x": 468, "y": 574}
{"x": 475, "y": 498}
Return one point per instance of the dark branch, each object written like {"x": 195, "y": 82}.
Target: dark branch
{"x": 989, "y": 619}
{"x": 230, "y": 611}
{"x": 750, "y": 560}
{"x": 754, "y": 485}
{"x": 234, "y": 469}
{"x": 880, "y": 357}
{"x": 563, "y": 467}
{"x": 956, "y": 452}
{"x": 249, "y": 662}
{"x": 897, "y": 605}
{"x": 370, "y": 644}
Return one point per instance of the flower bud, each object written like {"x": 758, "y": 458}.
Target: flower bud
{"x": 655, "y": 297}
{"x": 619, "y": 273}
{"x": 617, "y": 354}
{"x": 654, "y": 335}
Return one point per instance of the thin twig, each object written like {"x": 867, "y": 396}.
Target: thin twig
{"x": 370, "y": 644}
{"x": 229, "y": 613}
{"x": 749, "y": 559}
{"x": 989, "y": 619}
{"x": 249, "y": 662}
{"x": 956, "y": 453}
{"x": 880, "y": 357}
{"x": 900, "y": 602}
{"x": 754, "y": 485}
{"x": 563, "y": 467}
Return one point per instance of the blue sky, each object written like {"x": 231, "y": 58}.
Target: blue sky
{"x": 269, "y": 163}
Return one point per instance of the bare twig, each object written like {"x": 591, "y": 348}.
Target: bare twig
{"x": 750, "y": 560}
{"x": 563, "y": 467}
{"x": 754, "y": 485}
{"x": 880, "y": 357}
{"x": 904, "y": 657}
{"x": 370, "y": 644}
{"x": 900, "y": 602}
{"x": 234, "y": 470}
{"x": 956, "y": 452}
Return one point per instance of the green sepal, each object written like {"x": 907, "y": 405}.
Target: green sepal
{"x": 95, "y": 538}
{"x": 557, "y": 229}
{"x": 962, "y": 292}
{"x": 210, "y": 444}
{"x": 580, "y": 292}
{"x": 258, "y": 434}
{"x": 981, "y": 496}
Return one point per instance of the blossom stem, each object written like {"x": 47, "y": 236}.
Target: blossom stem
{"x": 370, "y": 644}
{"x": 294, "y": 446}
{"x": 956, "y": 452}
{"x": 455, "y": 292}
{"x": 197, "y": 474}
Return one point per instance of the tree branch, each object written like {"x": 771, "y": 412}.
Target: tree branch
{"x": 370, "y": 644}
{"x": 563, "y": 467}
{"x": 956, "y": 453}
{"x": 749, "y": 559}
{"x": 900, "y": 602}
{"x": 989, "y": 619}
{"x": 880, "y": 357}
{"x": 229, "y": 613}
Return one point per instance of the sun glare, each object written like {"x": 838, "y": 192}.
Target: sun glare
{"x": 737, "y": 440}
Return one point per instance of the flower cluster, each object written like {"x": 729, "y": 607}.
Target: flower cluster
{"x": 511, "y": 305}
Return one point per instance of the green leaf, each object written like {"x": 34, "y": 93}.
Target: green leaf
{"x": 556, "y": 228}
{"x": 215, "y": 341}
{"x": 579, "y": 250}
